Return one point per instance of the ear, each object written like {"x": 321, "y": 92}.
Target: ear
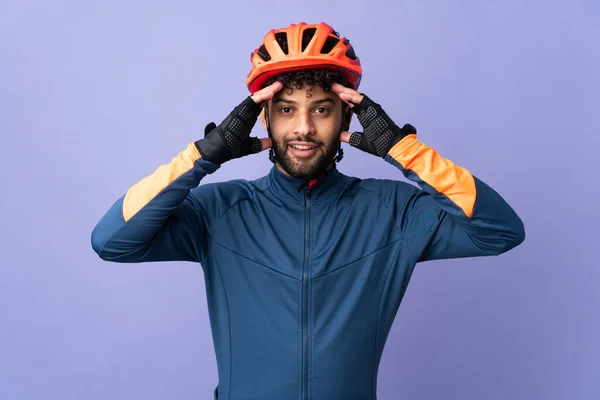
{"x": 346, "y": 117}
{"x": 262, "y": 116}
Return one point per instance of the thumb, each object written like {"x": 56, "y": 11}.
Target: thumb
{"x": 345, "y": 137}
{"x": 266, "y": 143}
{"x": 252, "y": 146}
{"x": 209, "y": 127}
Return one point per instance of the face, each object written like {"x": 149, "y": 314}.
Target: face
{"x": 305, "y": 125}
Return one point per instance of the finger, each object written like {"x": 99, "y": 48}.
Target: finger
{"x": 338, "y": 89}
{"x": 346, "y": 98}
{"x": 351, "y": 98}
{"x": 267, "y": 93}
{"x": 345, "y": 137}
{"x": 346, "y": 94}
{"x": 342, "y": 92}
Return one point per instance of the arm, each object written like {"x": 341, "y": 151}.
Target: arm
{"x": 158, "y": 219}
{"x": 454, "y": 214}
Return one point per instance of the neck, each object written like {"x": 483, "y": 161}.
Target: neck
{"x": 283, "y": 171}
{"x": 310, "y": 181}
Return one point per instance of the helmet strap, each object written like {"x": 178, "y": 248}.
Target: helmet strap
{"x": 345, "y": 127}
{"x": 272, "y": 156}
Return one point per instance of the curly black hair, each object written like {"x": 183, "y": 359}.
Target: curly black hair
{"x": 322, "y": 77}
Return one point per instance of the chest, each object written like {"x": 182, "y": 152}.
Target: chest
{"x": 318, "y": 235}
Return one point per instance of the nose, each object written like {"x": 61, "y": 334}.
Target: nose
{"x": 304, "y": 125}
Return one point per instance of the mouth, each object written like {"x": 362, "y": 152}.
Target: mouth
{"x": 303, "y": 149}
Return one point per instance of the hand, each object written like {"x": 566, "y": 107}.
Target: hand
{"x": 231, "y": 139}
{"x": 380, "y": 132}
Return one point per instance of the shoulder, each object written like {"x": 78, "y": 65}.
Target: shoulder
{"x": 405, "y": 200}
{"x": 387, "y": 190}
{"x": 220, "y": 196}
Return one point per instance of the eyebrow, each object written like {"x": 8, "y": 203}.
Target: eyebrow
{"x": 314, "y": 102}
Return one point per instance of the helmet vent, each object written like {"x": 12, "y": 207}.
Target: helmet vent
{"x": 329, "y": 44}
{"x": 282, "y": 40}
{"x": 263, "y": 53}
{"x": 307, "y": 36}
{"x": 350, "y": 52}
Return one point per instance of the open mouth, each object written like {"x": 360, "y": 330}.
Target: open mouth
{"x": 303, "y": 150}
{"x": 302, "y": 147}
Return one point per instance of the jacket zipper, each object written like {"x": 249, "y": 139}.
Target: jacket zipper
{"x": 305, "y": 297}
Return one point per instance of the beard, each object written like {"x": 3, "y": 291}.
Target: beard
{"x": 305, "y": 168}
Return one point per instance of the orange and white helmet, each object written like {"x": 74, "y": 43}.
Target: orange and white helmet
{"x": 301, "y": 46}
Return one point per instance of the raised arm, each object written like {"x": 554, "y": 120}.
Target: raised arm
{"x": 454, "y": 214}
{"x": 157, "y": 219}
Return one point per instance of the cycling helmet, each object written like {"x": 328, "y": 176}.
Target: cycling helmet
{"x": 302, "y": 46}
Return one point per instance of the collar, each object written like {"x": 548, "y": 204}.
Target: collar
{"x": 328, "y": 185}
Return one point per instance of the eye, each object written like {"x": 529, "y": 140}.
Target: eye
{"x": 321, "y": 110}
{"x": 286, "y": 110}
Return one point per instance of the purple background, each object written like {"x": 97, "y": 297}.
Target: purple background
{"x": 96, "y": 95}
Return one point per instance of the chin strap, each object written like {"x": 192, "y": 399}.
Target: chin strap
{"x": 272, "y": 157}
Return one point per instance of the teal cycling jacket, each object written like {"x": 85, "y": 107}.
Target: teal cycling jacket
{"x": 303, "y": 286}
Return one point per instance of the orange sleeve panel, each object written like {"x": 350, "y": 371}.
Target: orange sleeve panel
{"x": 447, "y": 178}
{"x": 145, "y": 190}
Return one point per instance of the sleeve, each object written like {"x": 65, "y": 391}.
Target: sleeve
{"x": 158, "y": 219}
{"x": 455, "y": 215}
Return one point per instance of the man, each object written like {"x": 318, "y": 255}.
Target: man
{"x": 305, "y": 267}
